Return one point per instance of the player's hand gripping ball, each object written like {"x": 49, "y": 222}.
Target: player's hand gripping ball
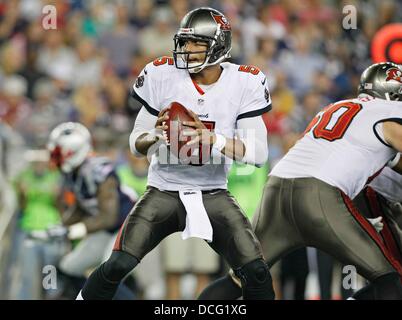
{"x": 185, "y": 134}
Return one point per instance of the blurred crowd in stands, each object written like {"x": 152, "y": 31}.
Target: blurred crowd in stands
{"x": 83, "y": 71}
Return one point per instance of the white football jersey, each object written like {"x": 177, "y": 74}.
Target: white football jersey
{"x": 240, "y": 92}
{"x": 389, "y": 184}
{"x": 343, "y": 145}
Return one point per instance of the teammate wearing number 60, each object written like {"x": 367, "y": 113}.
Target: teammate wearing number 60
{"x": 308, "y": 197}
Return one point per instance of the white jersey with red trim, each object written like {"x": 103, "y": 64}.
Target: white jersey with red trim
{"x": 343, "y": 145}
{"x": 240, "y": 92}
{"x": 389, "y": 185}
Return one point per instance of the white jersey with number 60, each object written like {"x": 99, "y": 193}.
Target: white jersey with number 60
{"x": 343, "y": 145}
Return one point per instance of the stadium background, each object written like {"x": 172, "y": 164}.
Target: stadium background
{"x": 82, "y": 71}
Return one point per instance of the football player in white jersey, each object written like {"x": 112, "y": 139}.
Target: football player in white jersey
{"x": 307, "y": 200}
{"x": 225, "y": 101}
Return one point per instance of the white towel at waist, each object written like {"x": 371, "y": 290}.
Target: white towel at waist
{"x": 197, "y": 220}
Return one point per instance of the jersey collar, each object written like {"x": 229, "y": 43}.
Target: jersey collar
{"x": 200, "y": 90}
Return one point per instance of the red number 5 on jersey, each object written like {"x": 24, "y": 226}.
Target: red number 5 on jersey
{"x": 332, "y": 123}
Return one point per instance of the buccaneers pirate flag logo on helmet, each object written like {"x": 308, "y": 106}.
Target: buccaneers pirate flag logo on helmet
{"x": 222, "y": 21}
{"x": 394, "y": 74}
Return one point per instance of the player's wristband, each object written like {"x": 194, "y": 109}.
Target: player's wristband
{"x": 392, "y": 163}
{"x": 151, "y": 135}
{"x": 220, "y": 142}
{"x": 155, "y": 135}
{"x": 77, "y": 231}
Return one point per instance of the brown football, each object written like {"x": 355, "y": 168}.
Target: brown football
{"x": 175, "y": 138}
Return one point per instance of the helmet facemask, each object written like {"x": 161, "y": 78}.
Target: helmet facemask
{"x": 212, "y": 52}
{"x": 182, "y": 57}
{"x": 56, "y": 156}
{"x": 67, "y": 160}
{"x": 394, "y": 96}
